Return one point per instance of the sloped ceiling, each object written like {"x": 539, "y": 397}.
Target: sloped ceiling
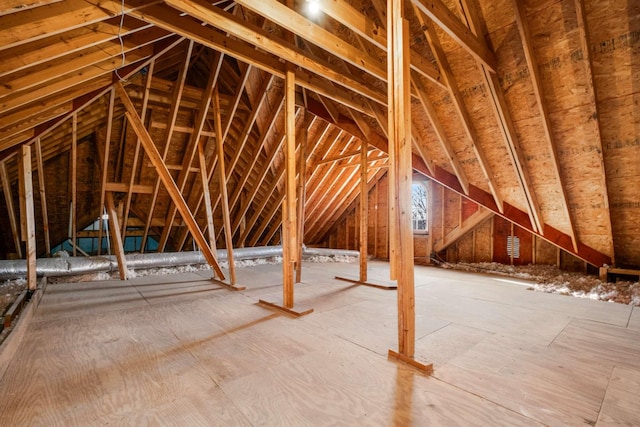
{"x": 527, "y": 107}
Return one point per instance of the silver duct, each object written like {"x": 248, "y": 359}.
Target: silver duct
{"x": 68, "y": 266}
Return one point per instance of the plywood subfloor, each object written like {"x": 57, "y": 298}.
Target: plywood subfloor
{"x": 178, "y": 350}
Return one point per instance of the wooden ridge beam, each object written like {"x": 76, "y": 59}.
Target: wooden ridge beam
{"x": 167, "y": 180}
{"x": 536, "y": 81}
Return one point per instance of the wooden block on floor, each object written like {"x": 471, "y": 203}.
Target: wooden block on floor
{"x": 426, "y": 369}
{"x": 228, "y": 285}
{"x": 15, "y": 308}
{"x": 387, "y": 286}
{"x": 296, "y": 311}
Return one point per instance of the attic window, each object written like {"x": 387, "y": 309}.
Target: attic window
{"x": 419, "y": 207}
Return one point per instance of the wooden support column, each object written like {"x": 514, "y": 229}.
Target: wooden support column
{"x": 43, "y": 197}
{"x": 167, "y": 179}
{"x": 289, "y": 237}
{"x": 116, "y": 237}
{"x": 105, "y": 166}
{"x": 206, "y": 193}
{"x": 364, "y": 211}
{"x": 289, "y": 205}
{"x": 302, "y": 176}
{"x": 27, "y": 215}
{"x": 400, "y": 153}
{"x": 74, "y": 183}
{"x": 228, "y": 237}
{"x": 8, "y": 198}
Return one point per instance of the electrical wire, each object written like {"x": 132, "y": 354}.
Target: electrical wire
{"x": 121, "y": 40}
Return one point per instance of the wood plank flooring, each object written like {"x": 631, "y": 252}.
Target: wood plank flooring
{"x": 179, "y": 350}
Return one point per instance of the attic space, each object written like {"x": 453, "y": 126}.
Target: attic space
{"x": 306, "y": 165}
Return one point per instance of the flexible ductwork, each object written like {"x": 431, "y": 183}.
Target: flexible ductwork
{"x": 66, "y": 266}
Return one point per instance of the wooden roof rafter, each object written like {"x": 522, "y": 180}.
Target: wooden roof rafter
{"x": 506, "y": 124}
{"x": 584, "y": 41}
{"x": 247, "y": 53}
{"x": 458, "y": 102}
{"x": 536, "y": 81}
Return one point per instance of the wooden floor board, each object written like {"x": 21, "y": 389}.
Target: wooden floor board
{"x": 177, "y": 350}
{"x": 620, "y": 406}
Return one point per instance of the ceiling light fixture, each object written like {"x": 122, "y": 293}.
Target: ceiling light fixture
{"x": 313, "y": 7}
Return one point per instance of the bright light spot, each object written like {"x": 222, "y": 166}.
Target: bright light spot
{"x": 313, "y": 7}
{"x": 105, "y": 216}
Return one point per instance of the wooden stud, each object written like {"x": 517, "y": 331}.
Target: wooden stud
{"x": 8, "y": 197}
{"x": 173, "y": 115}
{"x": 401, "y": 172}
{"x": 289, "y": 204}
{"x": 192, "y": 146}
{"x": 206, "y": 194}
{"x": 116, "y": 237}
{"x": 223, "y": 188}
{"x": 167, "y": 180}
{"x": 136, "y": 153}
{"x": 105, "y": 166}
{"x": 302, "y": 165}
{"x": 43, "y": 197}
{"x": 364, "y": 212}
{"x": 27, "y": 214}
{"x": 74, "y": 182}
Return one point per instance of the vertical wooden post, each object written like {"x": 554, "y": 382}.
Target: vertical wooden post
{"x": 364, "y": 211}
{"x": 206, "y": 192}
{"x": 105, "y": 167}
{"x": 74, "y": 182}
{"x": 27, "y": 217}
{"x": 400, "y": 146}
{"x": 289, "y": 202}
{"x": 43, "y": 197}
{"x": 116, "y": 237}
{"x": 301, "y": 196}
{"x": 228, "y": 236}
{"x": 8, "y": 198}
{"x": 166, "y": 178}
